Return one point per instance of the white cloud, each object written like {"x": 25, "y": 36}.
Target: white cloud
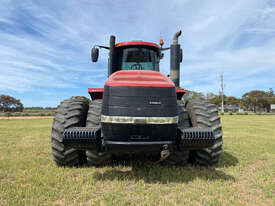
{"x": 201, "y": 26}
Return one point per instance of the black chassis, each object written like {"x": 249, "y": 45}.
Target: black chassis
{"x": 85, "y": 138}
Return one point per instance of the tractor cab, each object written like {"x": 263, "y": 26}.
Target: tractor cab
{"x": 137, "y": 55}
{"x": 141, "y": 55}
{"x": 131, "y": 55}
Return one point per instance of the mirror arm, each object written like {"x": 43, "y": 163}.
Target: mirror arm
{"x": 102, "y": 47}
{"x": 162, "y": 49}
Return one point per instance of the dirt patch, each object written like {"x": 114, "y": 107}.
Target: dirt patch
{"x": 28, "y": 117}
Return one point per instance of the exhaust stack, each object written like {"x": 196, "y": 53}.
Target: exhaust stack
{"x": 111, "y": 55}
{"x": 175, "y": 59}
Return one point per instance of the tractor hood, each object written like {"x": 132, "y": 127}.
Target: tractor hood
{"x": 138, "y": 78}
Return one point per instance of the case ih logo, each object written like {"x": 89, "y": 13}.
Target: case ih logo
{"x": 155, "y": 103}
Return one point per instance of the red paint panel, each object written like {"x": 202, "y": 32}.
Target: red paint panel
{"x": 180, "y": 92}
{"x": 96, "y": 93}
{"x": 133, "y": 43}
{"x": 139, "y": 78}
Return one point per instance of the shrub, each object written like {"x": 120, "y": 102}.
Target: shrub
{"x": 26, "y": 114}
{"x": 17, "y": 114}
{"x": 242, "y": 113}
{"x": 230, "y": 113}
{"x": 7, "y": 114}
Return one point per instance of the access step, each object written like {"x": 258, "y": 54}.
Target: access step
{"x": 196, "y": 138}
{"x": 82, "y": 137}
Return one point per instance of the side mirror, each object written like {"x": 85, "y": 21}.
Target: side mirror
{"x": 180, "y": 55}
{"x": 95, "y": 54}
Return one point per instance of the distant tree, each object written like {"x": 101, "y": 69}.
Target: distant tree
{"x": 232, "y": 100}
{"x": 216, "y": 99}
{"x": 193, "y": 95}
{"x": 271, "y": 92}
{"x": 50, "y": 108}
{"x": 34, "y": 108}
{"x": 213, "y": 98}
{"x": 229, "y": 102}
{"x": 210, "y": 96}
{"x": 10, "y": 104}
{"x": 257, "y": 100}
{"x": 271, "y": 95}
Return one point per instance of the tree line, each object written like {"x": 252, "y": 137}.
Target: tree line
{"x": 255, "y": 100}
{"x": 40, "y": 108}
{"x": 11, "y": 104}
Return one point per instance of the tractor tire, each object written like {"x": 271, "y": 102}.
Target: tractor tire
{"x": 179, "y": 157}
{"x": 205, "y": 114}
{"x": 70, "y": 113}
{"x": 96, "y": 158}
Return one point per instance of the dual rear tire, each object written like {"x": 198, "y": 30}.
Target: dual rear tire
{"x": 100, "y": 157}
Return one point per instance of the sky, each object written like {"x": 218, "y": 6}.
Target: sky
{"x": 45, "y": 45}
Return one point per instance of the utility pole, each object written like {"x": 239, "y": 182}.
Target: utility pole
{"x": 222, "y": 86}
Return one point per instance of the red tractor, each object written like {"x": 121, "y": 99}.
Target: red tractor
{"x": 139, "y": 111}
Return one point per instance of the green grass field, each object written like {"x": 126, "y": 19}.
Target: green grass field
{"x": 245, "y": 175}
{"x": 28, "y": 112}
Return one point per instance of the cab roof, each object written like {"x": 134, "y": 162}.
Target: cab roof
{"x": 137, "y": 43}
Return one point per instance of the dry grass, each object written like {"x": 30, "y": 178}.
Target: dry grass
{"x": 245, "y": 175}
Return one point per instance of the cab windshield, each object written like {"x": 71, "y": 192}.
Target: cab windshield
{"x": 137, "y": 58}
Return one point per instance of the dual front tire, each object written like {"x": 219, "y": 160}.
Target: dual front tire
{"x": 76, "y": 112}
{"x": 198, "y": 113}
{"x": 70, "y": 113}
{"x": 204, "y": 114}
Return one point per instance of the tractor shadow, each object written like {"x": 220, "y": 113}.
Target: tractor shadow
{"x": 143, "y": 169}
{"x": 228, "y": 160}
